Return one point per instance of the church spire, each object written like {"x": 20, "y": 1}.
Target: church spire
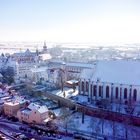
{"x": 44, "y": 47}
{"x": 44, "y": 44}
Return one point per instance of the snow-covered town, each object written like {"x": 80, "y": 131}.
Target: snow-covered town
{"x": 43, "y": 98}
{"x": 69, "y": 69}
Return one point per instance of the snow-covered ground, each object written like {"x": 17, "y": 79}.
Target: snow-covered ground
{"x": 67, "y": 93}
{"x": 93, "y": 126}
{"x": 116, "y": 107}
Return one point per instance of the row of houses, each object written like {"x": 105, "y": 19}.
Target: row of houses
{"x": 13, "y": 105}
{"x": 27, "y": 112}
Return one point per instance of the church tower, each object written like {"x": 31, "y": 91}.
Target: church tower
{"x": 44, "y": 47}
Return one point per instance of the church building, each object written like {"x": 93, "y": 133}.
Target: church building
{"x": 116, "y": 80}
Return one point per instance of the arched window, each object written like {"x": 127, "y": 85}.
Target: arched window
{"x": 100, "y": 91}
{"x": 117, "y": 92}
{"x": 94, "y": 90}
{"x": 135, "y": 95}
{"x": 82, "y": 86}
{"x": 87, "y": 87}
{"x": 125, "y": 93}
{"x": 107, "y": 91}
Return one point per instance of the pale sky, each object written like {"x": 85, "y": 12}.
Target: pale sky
{"x": 80, "y": 21}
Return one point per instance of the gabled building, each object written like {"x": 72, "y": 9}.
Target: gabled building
{"x": 34, "y": 113}
{"x": 12, "y": 106}
{"x": 38, "y": 74}
{"x": 118, "y": 81}
{"x": 68, "y": 70}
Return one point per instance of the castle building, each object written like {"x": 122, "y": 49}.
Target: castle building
{"x": 27, "y": 60}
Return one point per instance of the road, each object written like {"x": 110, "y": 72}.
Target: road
{"x": 8, "y": 127}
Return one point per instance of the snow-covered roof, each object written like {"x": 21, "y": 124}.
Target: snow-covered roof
{"x": 11, "y": 103}
{"x": 73, "y": 64}
{"x": 72, "y": 81}
{"x": 46, "y": 120}
{"x": 118, "y": 71}
{"x": 45, "y": 56}
{"x": 16, "y": 101}
{"x": 21, "y": 100}
{"x": 57, "y": 111}
{"x": 26, "y": 53}
{"x": 40, "y": 69}
{"x": 26, "y": 111}
{"x": 56, "y": 61}
{"x": 86, "y": 74}
{"x": 80, "y": 64}
{"x": 41, "y": 109}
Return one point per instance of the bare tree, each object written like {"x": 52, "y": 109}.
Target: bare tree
{"x": 97, "y": 129}
{"x": 65, "y": 117}
{"x": 29, "y": 88}
{"x": 71, "y": 123}
{"x": 113, "y": 126}
{"x": 126, "y": 122}
{"x": 92, "y": 125}
{"x": 135, "y": 133}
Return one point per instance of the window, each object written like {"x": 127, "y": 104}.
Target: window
{"x": 100, "y": 91}
{"x": 107, "y": 92}
{"x": 135, "y": 95}
{"x": 117, "y": 93}
{"x": 125, "y": 93}
{"x": 94, "y": 90}
{"x": 82, "y": 86}
{"x": 86, "y": 86}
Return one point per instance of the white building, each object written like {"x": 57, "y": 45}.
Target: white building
{"x": 74, "y": 69}
{"x": 114, "y": 80}
{"x": 33, "y": 114}
{"x": 12, "y": 106}
{"x": 38, "y": 74}
{"x": 69, "y": 70}
{"x": 25, "y": 61}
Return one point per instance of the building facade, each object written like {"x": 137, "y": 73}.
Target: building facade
{"x": 114, "y": 80}
{"x": 11, "y": 107}
{"x": 33, "y": 114}
{"x": 69, "y": 70}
